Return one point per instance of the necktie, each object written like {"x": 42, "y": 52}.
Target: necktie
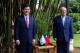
{"x": 63, "y": 20}
{"x": 27, "y": 21}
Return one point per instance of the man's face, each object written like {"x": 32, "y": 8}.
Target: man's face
{"x": 63, "y": 11}
{"x": 26, "y": 10}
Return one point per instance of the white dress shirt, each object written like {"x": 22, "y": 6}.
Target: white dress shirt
{"x": 63, "y": 19}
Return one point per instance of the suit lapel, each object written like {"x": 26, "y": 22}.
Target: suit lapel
{"x": 66, "y": 20}
{"x": 60, "y": 20}
{"x": 29, "y": 20}
{"x": 23, "y": 20}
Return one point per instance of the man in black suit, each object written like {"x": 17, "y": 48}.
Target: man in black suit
{"x": 63, "y": 32}
{"x": 25, "y": 31}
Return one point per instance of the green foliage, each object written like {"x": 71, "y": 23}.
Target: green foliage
{"x": 47, "y": 8}
{"x": 76, "y": 22}
{"x": 42, "y": 21}
{"x": 74, "y": 5}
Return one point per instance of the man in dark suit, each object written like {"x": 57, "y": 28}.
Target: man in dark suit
{"x": 62, "y": 30}
{"x": 25, "y": 31}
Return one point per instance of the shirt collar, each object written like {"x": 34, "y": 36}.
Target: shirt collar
{"x": 63, "y": 17}
{"x": 26, "y": 16}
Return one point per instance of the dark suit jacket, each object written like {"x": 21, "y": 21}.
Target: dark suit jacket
{"x": 62, "y": 33}
{"x": 23, "y": 33}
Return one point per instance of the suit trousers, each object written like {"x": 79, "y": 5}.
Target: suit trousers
{"x": 25, "y": 48}
{"x": 62, "y": 47}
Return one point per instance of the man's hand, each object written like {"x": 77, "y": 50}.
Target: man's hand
{"x": 55, "y": 41}
{"x": 71, "y": 47}
{"x": 71, "y": 41}
{"x": 33, "y": 42}
{"x": 18, "y": 42}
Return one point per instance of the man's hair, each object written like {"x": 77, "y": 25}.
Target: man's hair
{"x": 62, "y": 6}
{"x": 24, "y": 5}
